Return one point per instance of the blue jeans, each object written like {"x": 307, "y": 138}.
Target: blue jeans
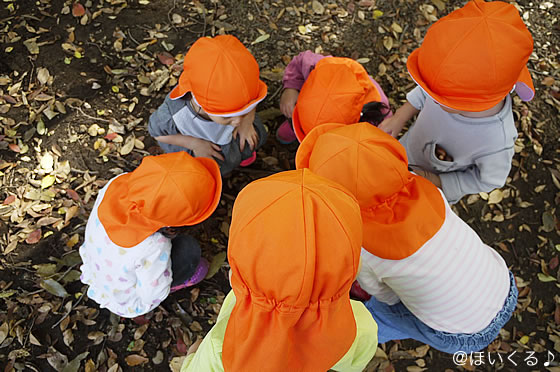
{"x": 396, "y": 322}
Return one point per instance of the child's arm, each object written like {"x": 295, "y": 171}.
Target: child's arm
{"x": 199, "y": 147}
{"x": 488, "y": 173}
{"x": 370, "y": 282}
{"x": 394, "y": 124}
{"x": 295, "y": 75}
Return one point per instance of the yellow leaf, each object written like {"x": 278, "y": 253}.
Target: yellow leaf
{"x": 524, "y": 339}
{"x": 261, "y": 38}
{"x": 388, "y": 42}
{"x": 77, "y": 54}
{"x": 47, "y": 181}
{"x": 302, "y": 30}
{"x": 115, "y": 88}
{"x": 317, "y": 7}
{"x": 396, "y": 27}
{"x": 128, "y": 146}
{"x": 495, "y": 196}
{"x": 377, "y": 13}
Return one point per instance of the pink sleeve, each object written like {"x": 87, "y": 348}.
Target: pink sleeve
{"x": 384, "y": 98}
{"x": 299, "y": 68}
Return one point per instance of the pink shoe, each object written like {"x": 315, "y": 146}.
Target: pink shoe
{"x": 358, "y": 293}
{"x": 285, "y": 133}
{"x": 250, "y": 160}
{"x": 198, "y": 276}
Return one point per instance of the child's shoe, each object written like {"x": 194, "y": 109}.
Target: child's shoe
{"x": 285, "y": 133}
{"x": 198, "y": 276}
{"x": 250, "y": 160}
{"x": 358, "y": 293}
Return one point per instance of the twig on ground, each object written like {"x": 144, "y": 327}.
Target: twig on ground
{"x": 69, "y": 311}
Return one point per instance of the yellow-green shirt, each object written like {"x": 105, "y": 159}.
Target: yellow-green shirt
{"x": 208, "y": 358}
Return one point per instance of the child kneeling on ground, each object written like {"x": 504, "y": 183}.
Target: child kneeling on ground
{"x": 294, "y": 251}
{"x": 430, "y": 276}
{"x": 129, "y": 260}
{"x": 320, "y": 89}
{"x": 469, "y": 62}
{"x": 212, "y": 111}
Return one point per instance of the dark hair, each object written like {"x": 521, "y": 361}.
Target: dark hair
{"x": 171, "y": 232}
{"x": 374, "y": 112}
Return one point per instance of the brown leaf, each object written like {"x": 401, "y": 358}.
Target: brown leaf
{"x": 140, "y": 331}
{"x": 548, "y": 81}
{"x": 166, "y": 58}
{"x": 9, "y": 200}
{"x": 557, "y": 314}
{"x": 34, "y": 237}
{"x": 181, "y": 347}
{"x": 553, "y": 263}
{"x": 135, "y": 360}
{"x": 78, "y": 10}
{"x": 70, "y": 213}
{"x": 111, "y": 136}
{"x": 14, "y": 147}
{"x": 73, "y": 194}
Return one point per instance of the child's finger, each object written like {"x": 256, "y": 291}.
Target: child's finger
{"x": 241, "y": 142}
{"x": 216, "y": 147}
{"x": 218, "y": 155}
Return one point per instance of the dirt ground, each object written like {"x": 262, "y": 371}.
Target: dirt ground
{"x": 78, "y": 81}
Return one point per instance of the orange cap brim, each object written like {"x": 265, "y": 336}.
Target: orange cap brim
{"x": 396, "y": 228}
{"x": 137, "y": 228}
{"x": 184, "y": 87}
{"x": 525, "y": 92}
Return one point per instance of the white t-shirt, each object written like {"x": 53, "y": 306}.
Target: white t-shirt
{"x": 127, "y": 281}
{"x": 454, "y": 283}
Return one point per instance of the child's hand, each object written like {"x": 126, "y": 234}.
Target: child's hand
{"x": 206, "y": 149}
{"x": 246, "y": 131}
{"x": 288, "y": 101}
{"x": 432, "y": 177}
{"x": 396, "y": 123}
{"x": 392, "y": 126}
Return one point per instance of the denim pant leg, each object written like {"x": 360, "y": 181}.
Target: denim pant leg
{"x": 185, "y": 256}
{"x": 394, "y": 322}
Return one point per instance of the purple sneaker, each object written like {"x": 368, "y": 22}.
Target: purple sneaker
{"x": 198, "y": 276}
{"x": 285, "y": 133}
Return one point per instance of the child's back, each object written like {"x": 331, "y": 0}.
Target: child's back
{"x": 418, "y": 256}
{"x": 294, "y": 252}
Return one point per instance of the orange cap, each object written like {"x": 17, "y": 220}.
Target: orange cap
{"x": 334, "y": 92}
{"x": 166, "y": 190}
{"x": 473, "y": 57}
{"x": 222, "y": 76}
{"x": 400, "y": 210}
{"x": 294, "y": 251}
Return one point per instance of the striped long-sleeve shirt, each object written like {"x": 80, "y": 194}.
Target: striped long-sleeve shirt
{"x": 454, "y": 283}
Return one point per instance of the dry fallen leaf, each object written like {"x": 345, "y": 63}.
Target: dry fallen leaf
{"x": 78, "y": 10}
{"x": 136, "y": 360}
{"x": 34, "y": 237}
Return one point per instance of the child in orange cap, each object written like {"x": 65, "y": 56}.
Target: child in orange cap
{"x": 212, "y": 111}
{"x": 466, "y": 67}
{"x": 294, "y": 251}
{"x": 131, "y": 259}
{"x": 333, "y": 89}
{"x": 430, "y": 276}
